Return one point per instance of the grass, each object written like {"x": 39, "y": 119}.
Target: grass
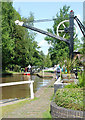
{"x": 9, "y": 72}
{"x": 8, "y": 108}
{"x": 50, "y": 71}
{"x": 72, "y": 85}
{"x": 70, "y": 98}
{"x": 47, "y": 114}
{"x": 52, "y": 97}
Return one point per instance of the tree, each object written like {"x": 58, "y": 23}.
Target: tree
{"x": 59, "y": 50}
{"x": 29, "y": 20}
{"x": 7, "y": 29}
{"x": 19, "y": 47}
{"x": 48, "y": 62}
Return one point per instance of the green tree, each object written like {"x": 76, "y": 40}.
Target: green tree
{"x": 7, "y": 30}
{"x": 29, "y": 20}
{"x": 58, "y": 49}
{"x": 48, "y": 62}
{"x": 18, "y": 45}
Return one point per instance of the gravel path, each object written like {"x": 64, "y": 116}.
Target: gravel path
{"x": 35, "y": 108}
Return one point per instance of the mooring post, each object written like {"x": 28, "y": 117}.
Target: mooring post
{"x": 71, "y": 30}
{"x": 43, "y": 72}
{"x": 31, "y": 89}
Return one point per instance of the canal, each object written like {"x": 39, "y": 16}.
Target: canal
{"x": 21, "y": 91}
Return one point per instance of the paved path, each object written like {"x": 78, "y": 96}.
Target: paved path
{"x": 34, "y": 109}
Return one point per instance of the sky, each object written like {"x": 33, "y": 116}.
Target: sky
{"x": 46, "y": 10}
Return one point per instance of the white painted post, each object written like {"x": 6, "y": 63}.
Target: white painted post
{"x": 31, "y": 89}
{"x": 43, "y": 72}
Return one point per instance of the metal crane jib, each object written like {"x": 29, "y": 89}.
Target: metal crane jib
{"x": 17, "y": 22}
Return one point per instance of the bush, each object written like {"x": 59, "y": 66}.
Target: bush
{"x": 16, "y": 68}
{"x": 70, "y": 98}
{"x": 80, "y": 83}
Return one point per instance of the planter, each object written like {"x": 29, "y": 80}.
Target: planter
{"x": 68, "y": 76}
{"x": 69, "y": 80}
{"x": 60, "y": 112}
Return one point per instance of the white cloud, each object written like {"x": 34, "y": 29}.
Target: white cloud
{"x": 44, "y": 43}
{"x": 44, "y": 46}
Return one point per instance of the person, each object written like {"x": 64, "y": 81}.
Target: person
{"x": 29, "y": 67}
{"x": 76, "y": 73}
{"x": 57, "y": 72}
{"x": 25, "y": 69}
{"x": 64, "y": 69}
{"x": 21, "y": 69}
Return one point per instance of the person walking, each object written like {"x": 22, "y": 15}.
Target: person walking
{"x": 57, "y": 71}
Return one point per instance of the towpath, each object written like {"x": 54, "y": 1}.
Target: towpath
{"x": 36, "y": 108}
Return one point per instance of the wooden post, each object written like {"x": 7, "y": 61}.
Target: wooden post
{"x": 31, "y": 89}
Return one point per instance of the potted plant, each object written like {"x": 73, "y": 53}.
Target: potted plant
{"x": 69, "y": 64}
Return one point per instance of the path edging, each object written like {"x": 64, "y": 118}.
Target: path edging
{"x": 60, "y": 112}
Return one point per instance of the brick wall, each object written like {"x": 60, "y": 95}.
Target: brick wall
{"x": 60, "y": 112}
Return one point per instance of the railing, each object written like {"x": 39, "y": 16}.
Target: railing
{"x": 21, "y": 82}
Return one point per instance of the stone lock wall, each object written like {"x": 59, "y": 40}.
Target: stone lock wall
{"x": 60, "y": 112}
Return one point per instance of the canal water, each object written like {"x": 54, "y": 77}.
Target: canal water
{"x": 21, "y": 91}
